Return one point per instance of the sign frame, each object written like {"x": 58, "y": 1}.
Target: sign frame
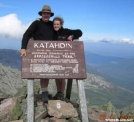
{"x": 53, "y": 60}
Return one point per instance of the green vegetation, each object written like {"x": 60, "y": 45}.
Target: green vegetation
{"x": 16, "y": 112}
{"x": 116, "y": 96}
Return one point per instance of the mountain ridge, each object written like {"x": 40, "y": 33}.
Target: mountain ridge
{"x": 99, "y": 90}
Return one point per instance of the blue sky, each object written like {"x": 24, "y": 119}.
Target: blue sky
{"x": 107, "y": 20}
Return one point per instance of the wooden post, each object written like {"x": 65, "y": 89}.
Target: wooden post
{"x": 83, "y": 104}
{"x": 69, "y": 88}
{"x": 30, "y": 101}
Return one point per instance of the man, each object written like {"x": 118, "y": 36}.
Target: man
{"x": 40, "y": 30}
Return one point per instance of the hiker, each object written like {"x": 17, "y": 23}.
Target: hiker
{"x": 40, "y": 30}
{"x": 63, "y": 34}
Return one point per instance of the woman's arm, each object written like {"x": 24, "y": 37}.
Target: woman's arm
{"x": 75, "y": 33}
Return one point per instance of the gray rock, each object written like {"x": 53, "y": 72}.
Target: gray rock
{"x": 17, "y": 121}
{"x": 2, "y": 97}
{"x": 74, "y": 120}
{"x": 40, "y": 113}
{"x": 10, "y": 109}
{"x": 10, "y": 81}
{"x": 57, "y": 120}
{"x": 61, "y": 109}
{"x": 45, "y": 120}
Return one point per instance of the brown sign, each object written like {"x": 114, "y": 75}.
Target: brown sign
{"x": 54, "y": 59}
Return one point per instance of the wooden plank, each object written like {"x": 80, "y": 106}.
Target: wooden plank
{"x": 69, "y": 88}
{"x": 82, "y": 98}
{"x": 30, "y": 101}
{"x": 54, "y": 59}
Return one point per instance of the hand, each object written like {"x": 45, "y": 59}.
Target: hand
{"x": 69, "y": 38}
{"x": 38, "y": 19}
{"x": 23, "y": 52}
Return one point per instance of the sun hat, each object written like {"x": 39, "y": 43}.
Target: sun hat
{"x": 47, "y": 9}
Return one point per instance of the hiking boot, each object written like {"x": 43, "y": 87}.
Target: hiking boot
{"x": 50, "y": 96}
{"x": 44, "y": 97}
{"x": 60, "y": 96}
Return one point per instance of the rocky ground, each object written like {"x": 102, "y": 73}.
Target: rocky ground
{"x": 15, "y": 109}
{"x": 13, "y": 103}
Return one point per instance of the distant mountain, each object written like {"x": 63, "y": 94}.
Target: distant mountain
{"x": 116, "y": 70}
{"x": 120, "y": 72}
{"x": 100, "y": 59}
{"x": 99, "y": 91}
{"x": 11, "y": 58}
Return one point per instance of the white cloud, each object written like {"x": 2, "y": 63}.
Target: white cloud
{"x": 127, "y": 40}
{"x": 102, "y": 37}
{"x": 5, "y": 6}
{"x": 11, "y": 27}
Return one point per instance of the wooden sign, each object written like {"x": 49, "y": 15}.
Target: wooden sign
{"x": 54, "y": 59}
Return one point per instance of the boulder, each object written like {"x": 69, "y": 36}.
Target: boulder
{"x": 61, "y": 109}
{"x": 10, "y": 109}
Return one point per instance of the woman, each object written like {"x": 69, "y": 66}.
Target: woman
{"x": 63, "y": 34}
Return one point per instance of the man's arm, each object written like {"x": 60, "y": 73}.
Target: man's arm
{"x": 26, "y": 36}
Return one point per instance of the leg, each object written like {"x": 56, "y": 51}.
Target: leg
{"x": 60, "y": 83}
{"x": 44, "y": 85}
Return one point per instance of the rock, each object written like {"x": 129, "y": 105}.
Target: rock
{"x": 39, "y": 103}
{"x": 40, "y": 113}
{"x": 23, "y": 90}
{"x": 10, "y": 109}
{"x": 24, "y": 110}
{"x": 45, "y": 120}
{"x": 2, "y": 97}
{"x": 61, "y": 109}
{"x": 17, "y": 121}
{"x": 10, "y": 81}
{"x": 57, "y": 120}
{"x": 74, "y": 120}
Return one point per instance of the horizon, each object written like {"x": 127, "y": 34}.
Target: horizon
{"x": 101, "y": 48}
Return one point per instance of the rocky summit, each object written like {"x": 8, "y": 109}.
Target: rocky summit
{"x": 104, "y": 99}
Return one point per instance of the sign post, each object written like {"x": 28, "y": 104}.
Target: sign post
{"x": 30, "y": 101}
{"x": 54, "y": 60}
{"x": 82, "y": 99}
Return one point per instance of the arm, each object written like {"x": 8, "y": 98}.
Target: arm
{"x": 75, "y": 33}
{"x": 26, "y": 36}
